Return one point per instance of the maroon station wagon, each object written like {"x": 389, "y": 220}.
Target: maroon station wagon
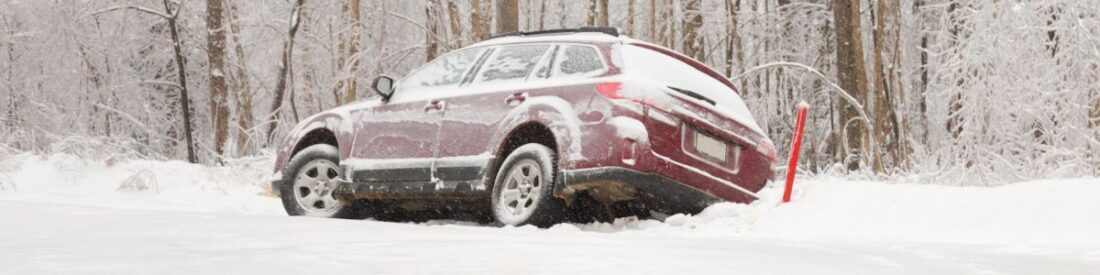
{"x": 526, "y": 126}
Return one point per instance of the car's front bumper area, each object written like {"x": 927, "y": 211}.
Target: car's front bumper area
{"x": 277, "y": 181}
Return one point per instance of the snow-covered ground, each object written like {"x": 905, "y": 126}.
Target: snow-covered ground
{"x": 63, "y": 214}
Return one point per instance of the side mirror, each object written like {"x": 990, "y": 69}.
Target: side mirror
{"x": 383, "y": 85}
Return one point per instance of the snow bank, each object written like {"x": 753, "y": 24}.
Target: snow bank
{"x": 237, "y": 187}
{"x": 1042, "y": 213}
{"x": 1060, "y": 212}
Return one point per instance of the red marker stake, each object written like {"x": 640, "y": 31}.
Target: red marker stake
{"x": 796, "y": 144}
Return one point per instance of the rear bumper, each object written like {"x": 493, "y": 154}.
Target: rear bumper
{"x": 655, "y": 191}
{"x": 679, "y": 182}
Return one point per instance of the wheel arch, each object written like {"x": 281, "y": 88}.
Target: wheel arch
{"x": 313, "y": 137}
{"x": 324, "y": 128}
{"x": 524, "y": 133}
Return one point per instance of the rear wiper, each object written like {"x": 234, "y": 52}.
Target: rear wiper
{"x": 692, "y": 94}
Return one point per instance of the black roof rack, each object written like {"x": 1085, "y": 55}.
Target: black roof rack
{"x": 616, "y": 32}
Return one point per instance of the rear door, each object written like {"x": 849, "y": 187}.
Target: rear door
{"x": 476, "y": 111}
{"x": 397, "y": 140}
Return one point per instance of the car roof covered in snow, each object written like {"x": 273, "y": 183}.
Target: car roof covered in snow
{"x": 582, "y": 35}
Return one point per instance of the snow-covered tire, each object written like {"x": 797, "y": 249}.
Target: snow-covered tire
{"x": 523, "y": 191}
{"x": 310, "y": 179}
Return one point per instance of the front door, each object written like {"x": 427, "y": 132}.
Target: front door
{"x": 397, "y": 140}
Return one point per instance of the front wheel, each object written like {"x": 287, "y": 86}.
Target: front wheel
{"x": 524, "y": 187}
{"x": 313, "y": 174}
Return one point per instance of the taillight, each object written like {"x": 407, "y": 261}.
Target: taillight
{"x": 613, "y": 90}
{"x": 609, "y": 89}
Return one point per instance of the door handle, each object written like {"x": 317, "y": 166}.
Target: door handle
{"x": 437, "y": 105}
{"x": 515, "y": 98}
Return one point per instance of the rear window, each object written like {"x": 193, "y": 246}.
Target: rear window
{"x": 670, "y": 72}
{"x": 579, "y": 61}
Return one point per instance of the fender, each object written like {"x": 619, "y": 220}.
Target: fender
{"x": 552, "y": 112}
{"x": 339, "y": 121}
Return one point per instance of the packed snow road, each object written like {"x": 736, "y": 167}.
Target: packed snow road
{"x": 62, "y": 214}
{"x": 54, "y": 238}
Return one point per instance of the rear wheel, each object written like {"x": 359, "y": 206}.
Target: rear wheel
{"x": 313, "y": 174}
{"x": 524, "y": 187}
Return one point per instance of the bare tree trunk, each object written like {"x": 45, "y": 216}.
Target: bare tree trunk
{"x": 592, "y": 11}
{"x": 12, "y": 108}
{"x": 542, "y": 14}
{"x": 828, "y": 142}
{"x": 652, "y": 21}
{"x": 954, "y": 115}
{"x": 923, "y": 68}
{"x": 341, "y": 54}
{"x": 353, "y": 51}
{"x": 478, "y": 27}
{"x": 733, "y": 43}
{"x": 185, "y": 101}
{"x": 630, "y": 17}
{"x": 284, "y": 67}
{"x": 601, "y": 17}
{"x": 311, "y": 98}
{"x": 432, "y": 33}
{"x": 665, "y": 38}
{"x": 241, "y": 86}
{"x": 381, "y": 46}
{"x": 215, "y": 41}
{"x": 896, "y": 99}
{"x": 849, "y": 55}
{"x": 692, "y": 43}
{"x": 881, "y": 96}
{"x": 1094, "y": 113}
{"x": 95, "y": 77}
{"x": 1094, "y": 124}
{"x": 1094, "y": 120}
{"x": 455, "y": 24}
{"x": 507, "y": 16}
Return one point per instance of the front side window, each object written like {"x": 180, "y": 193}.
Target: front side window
{"x": 448, "y": 70}
{"x": 578, "y": 61}
{"x": 511, "y": 63}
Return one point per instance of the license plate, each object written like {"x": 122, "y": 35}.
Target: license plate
{"x": 711, "y": 147}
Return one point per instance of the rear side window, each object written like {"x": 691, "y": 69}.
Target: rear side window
{"x": 578, "y": 61}
{"x": 448, "y": 70}
{"x": 511, "y": 63}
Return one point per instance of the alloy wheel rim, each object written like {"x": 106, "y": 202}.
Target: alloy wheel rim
{"x": 313, "y": 187}
{"x": 521, "y": 189}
